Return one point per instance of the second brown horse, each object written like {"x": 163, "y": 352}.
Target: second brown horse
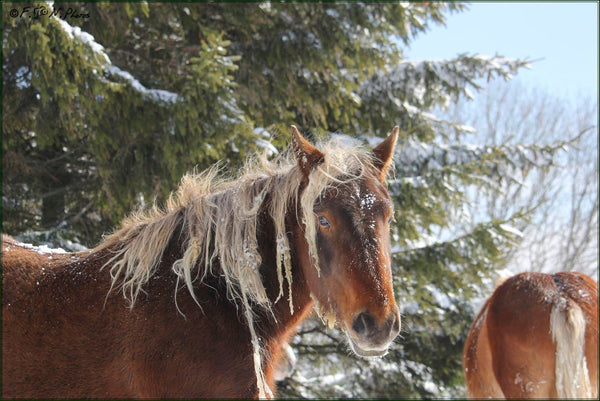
{"x": 536, "y": 337}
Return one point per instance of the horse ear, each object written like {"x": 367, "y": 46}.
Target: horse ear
{"x": 384, "y": 153}
{"x": 307, "y": 156}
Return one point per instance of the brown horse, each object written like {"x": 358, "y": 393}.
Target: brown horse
{"x": 199, "y": 299}
{"x": 535, "y": 337}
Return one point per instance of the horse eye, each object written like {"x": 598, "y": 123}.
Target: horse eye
{"x": 324, "y": 222}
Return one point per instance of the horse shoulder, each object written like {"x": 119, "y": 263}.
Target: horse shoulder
{"x": 182, "y": 350}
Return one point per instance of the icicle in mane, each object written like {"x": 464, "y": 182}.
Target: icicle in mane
{"x": 219, "y": 221}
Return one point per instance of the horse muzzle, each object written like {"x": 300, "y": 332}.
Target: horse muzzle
{"x": 369, "y": 338}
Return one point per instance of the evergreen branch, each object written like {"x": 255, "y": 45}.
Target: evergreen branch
{"x": 495, "y": 225}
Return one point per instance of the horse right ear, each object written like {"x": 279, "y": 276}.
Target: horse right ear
{"x": 384, "y": 154}
{"x": 307, "y": 156}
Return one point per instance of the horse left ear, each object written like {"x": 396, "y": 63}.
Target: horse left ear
{"x": 384, "y": 153}
{"x": 307, "y": 155}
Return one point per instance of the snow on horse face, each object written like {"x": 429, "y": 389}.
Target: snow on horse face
{"x": 535, "y": 337}
{"x": 255, "y": 255}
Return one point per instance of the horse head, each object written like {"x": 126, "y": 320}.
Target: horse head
{"x": 346, "y": 235}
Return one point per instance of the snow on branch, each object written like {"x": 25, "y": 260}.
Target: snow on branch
{"x": 414, "y": 158}
{"x": 158, "y": 95}
{"x": 407, "y": 92}
{"x": 466, "y": 247}
{"x": 75, "y": 32}
{"x": 425, "y": 83}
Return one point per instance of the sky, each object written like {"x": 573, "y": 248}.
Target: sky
{"x": 561, "y": 36}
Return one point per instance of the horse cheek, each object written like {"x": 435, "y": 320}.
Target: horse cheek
{"x": 325, "y": 254}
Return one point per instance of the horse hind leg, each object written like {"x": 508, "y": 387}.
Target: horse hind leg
{"x": 567, "y": 325}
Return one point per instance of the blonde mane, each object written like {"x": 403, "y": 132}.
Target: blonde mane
{"x": 218, "y": 219}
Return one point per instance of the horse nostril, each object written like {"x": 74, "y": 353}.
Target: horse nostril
{"x": 395, "y": 326}
{"x": 363, "y": 324}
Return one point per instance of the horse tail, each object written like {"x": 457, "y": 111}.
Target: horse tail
{"x": 567, "y": 325}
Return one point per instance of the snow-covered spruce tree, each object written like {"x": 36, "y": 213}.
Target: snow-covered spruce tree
{"x": 111, "y": 94}
{"x": 87, "y": 133}
{"x": 103, "y": 111}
